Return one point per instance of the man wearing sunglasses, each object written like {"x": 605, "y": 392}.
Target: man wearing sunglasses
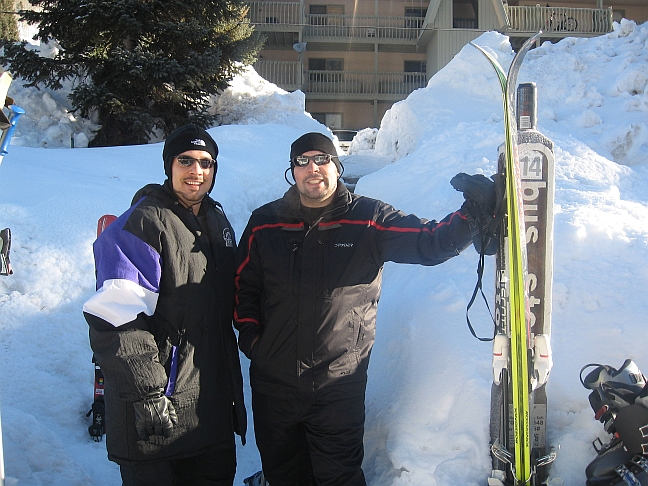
{"x": 309, "y": 272}
{"x": 161, "y": 326}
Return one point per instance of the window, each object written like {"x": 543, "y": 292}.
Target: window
{"x": 320, "y": 64}
{"x": 331, "y": 120}
{"x": 464, "y": 14}
{"x": 415, "y": 67}
{"x": 321, "y": 14}
{"x": 417, "y": 21}
{"x": 322, "y": 68}
{"x": 320, "y": 117}
{"x": 414, "y": 77}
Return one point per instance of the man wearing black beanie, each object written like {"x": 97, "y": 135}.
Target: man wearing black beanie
{"x": 161, "y": 327}
{"x": 307, "y": 288}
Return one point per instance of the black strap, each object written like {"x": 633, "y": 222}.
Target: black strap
{"x": 479, "y": 288}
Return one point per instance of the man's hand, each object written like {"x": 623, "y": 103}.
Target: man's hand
{"x": 484, "y": 207}
{"x": 154, "y": 415}
{"x": 479, "y": 191}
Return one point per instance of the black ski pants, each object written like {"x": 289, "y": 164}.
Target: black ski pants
{"x": 310, "y": 444}
{"x": 214, "y": 467}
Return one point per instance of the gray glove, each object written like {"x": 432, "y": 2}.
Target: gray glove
{"x": 154, "y": 415}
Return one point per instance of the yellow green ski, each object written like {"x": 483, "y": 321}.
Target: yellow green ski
{"x": 517, "y": 371}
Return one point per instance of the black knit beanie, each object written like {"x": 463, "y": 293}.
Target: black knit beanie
{"x": 314, "y": 141}
{"x": 188, "y": 137}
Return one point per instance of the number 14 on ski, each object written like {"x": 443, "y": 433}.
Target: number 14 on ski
{"x": 524, "y": 272}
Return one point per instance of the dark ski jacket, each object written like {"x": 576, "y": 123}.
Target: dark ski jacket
{"x": 310, "y": 292}
{"x": 162, "y": 319}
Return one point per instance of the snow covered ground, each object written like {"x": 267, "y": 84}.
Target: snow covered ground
{"x": 429, "y": 385}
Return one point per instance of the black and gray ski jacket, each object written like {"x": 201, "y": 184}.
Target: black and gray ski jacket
{"x": 162, "y": 319}
{"x": 310, "y": 293}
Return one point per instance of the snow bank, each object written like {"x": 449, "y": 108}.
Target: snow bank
{"x": 595, "y": 89}
{"x": 250, "y": 99}
{"x": 363, "y": 141}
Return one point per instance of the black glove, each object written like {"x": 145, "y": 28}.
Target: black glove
{"x": 484, "y": 208}
{"x": 154, "y": 415}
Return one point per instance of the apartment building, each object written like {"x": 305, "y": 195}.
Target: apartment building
{"x": 354, "y": 58}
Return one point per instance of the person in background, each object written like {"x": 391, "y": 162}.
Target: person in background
{"x": 308, "y": 281}
{"x": 161, "y": 326}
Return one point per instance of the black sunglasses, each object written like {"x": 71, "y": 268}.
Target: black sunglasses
{"x": 304, "y": 160}
{"x": 185, "y": 161}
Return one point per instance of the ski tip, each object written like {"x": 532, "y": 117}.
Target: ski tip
{"x": 104, "y": 221}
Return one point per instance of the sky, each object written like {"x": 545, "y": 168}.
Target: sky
{"x": 428, "y": 394}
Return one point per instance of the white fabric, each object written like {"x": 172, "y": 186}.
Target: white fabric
{"x": 119, "y": 301}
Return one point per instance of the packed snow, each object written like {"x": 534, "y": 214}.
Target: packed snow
{"x": 429, "y": 385}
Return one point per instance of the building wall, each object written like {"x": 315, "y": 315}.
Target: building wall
{"x": 355, "y": 114}
{"x": 638, "y": 14}
{"x": 448, "y": 9}
{"x": 444, "y": 46}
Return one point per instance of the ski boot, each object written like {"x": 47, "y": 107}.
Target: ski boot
{"x": 612, "y": 390}
{"x": 616, "y": 466}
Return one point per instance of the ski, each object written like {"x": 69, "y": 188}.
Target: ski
{"x": 98, "y": 409}
{"x": 521, "y": 349}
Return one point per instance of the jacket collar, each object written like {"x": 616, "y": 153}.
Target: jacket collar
{"x": 166, "y": 192}
{"x": 291, "y": 204}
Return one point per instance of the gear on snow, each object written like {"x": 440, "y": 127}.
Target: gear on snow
{"x": 619, "y": 399}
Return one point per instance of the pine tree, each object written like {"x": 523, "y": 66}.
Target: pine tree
{"x": 139, "y": 65}
{"x": 8, "y": 21}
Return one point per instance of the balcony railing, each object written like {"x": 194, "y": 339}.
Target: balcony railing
{"x": 360, "y": 83}
{"x": 275, "y": 15}
{"x": 285, "y": 74}
{"x": 272, "y": 13}
{"x": 362, "y": 27}
{"x": 559, "y": 20}
{"x": 363, "y": 84}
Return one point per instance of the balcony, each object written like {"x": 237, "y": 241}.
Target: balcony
{"x": 362, "y": 28}
{"x": 328, "y": 85}
{"x": 358, "y": 85}
{"x": 559, "y": 21}
{"x": 275, "y": 15}
{"x": 285, "y": 74}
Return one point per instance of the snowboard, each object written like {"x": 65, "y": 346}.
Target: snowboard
{"x": 521, "y": 347}
{"x": 98, "y": 410}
